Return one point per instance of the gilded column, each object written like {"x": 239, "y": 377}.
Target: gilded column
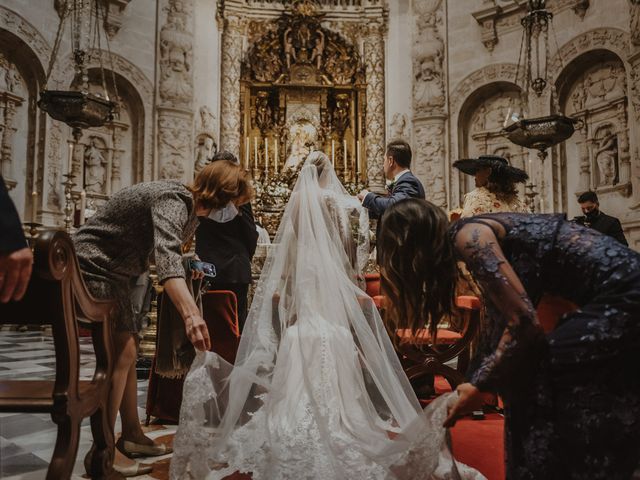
{"x": 375, "y": 117}
{"x": 230, "y": 85}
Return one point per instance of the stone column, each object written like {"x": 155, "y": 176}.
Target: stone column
{"x": 584, "y": 182}
{"x": 375, "y": 119}
{"x": 634, "y": 21}
{"x": 230, "y": 115}
{"x": 429, "y": 101}
{"x": 175, "y": 111}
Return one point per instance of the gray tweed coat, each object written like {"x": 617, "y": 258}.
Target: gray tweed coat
{"x": 139, "y": 224}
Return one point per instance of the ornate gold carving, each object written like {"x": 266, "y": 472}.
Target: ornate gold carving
{"x": 301, "y": 50}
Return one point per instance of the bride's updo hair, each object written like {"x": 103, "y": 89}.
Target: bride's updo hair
{"x": 319, "y": 160}
{"x": 418, "y": 266}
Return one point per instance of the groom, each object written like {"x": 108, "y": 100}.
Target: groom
{"x": 401, "y": 183}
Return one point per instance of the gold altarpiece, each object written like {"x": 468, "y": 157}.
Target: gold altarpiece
{"x": 302, "y": 89}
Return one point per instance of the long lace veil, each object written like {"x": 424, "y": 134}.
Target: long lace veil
{"x": 317, "y": 390}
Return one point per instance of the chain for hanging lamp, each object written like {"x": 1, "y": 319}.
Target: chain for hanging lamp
{"x": 542, "y": 132}
{"x": 78, "y": 107}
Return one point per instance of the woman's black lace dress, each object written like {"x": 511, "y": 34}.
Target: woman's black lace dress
{"x": 572, "y": 397}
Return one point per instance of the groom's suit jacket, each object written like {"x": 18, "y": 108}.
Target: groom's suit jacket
{"x": 407, "y": 186}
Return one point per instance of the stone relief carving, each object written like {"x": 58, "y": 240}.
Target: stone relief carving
{"x": 95, "y": 166}
{"x": 430, "y": 164}
{"x": 15, "y": 24}
{"x": 634, "y": 21}
{"x": 10, "y": 101}
{"x": 606, "y": 156}
{"x": 205, "y": 150}
{"x": 492, "y": 73}
{"x": 176, "y": 55}
{"x": 399, "y": 127}
{"x": 428, "y": 57}
{"x": 174, "y": 144}
{"x": 54, "y": 166}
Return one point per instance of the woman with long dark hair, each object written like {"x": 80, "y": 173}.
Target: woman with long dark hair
{"x": 572, "y": 397}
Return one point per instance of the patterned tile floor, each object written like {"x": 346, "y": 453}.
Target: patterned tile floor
{"x": 27, "y": 440}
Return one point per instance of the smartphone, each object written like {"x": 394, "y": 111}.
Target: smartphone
{"x": 209, "y": 269}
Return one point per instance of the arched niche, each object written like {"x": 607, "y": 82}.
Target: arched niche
{"x": 480, "y": 124}
{"x": 22, "y": 132}
{"x": 111, "y": 157}
{"x": 593, "y": 89}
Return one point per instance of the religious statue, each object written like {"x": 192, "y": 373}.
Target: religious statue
{"x": 606, "y": 156}
{"x": 289, "y": 51}
{"x": 399, "y": 127}
{"x": 341, "y": 113}
{"x": 204, "y": 152}
{"x": 207, "y": 119}
{"x": 263, "y": 113}
{"x": 579, "y": 97}
{"x": 303, "y": 137}
{"x": 318, "y": 50}
{"x": 429, "y": 88}
{"x": 94, "y": 168}
{"x": 176, "y": 51}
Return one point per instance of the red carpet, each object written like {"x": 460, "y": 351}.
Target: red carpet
{"x": 480, "y": 444}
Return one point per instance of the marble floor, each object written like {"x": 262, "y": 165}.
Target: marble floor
{"x": 27, "y": 440}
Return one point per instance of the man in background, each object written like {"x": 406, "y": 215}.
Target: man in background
{"x": 15, "y": 256}
{"x": 401, "y": 183}
{"x": 228, "y": 240}
{"x": 594, "y": 218}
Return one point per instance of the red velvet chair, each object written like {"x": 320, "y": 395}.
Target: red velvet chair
{"x": 220, "y": 312}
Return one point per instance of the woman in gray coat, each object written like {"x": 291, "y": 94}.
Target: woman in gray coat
{"x": 149, "y": 222}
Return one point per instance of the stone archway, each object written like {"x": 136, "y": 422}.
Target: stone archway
{"x": 23, "y": 57}
{"x": 464, "y": 99}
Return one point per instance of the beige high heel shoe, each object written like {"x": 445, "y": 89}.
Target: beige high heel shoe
{"x": 133, "y": 450}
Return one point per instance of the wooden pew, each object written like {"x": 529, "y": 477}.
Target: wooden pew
{"x": 56, "y": 296}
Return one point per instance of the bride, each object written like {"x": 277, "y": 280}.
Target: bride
{"x": 317, "y": 391}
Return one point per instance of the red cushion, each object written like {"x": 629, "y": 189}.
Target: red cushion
{"x": 372, "y": 284}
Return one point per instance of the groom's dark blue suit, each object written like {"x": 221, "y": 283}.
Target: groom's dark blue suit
{"x": 407, "y": 186}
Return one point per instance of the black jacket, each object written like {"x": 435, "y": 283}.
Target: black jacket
{"x": 606, "y": 224}
{"x": 407, "y": 186}
{"x": 11, "y": 234}
{"x": 229, "y": 246}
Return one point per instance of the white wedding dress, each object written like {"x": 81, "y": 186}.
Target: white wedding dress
{"x": 317, "y": 391}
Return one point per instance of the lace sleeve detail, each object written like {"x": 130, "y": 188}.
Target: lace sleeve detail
{"x": 478, "y": 246}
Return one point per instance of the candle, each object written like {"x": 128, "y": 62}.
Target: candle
{"x": 255, "y": 151}
{"x": 333, "y": 153}
{"x": 246, "y": 153}
{"x": 266, "y": 155}
{"x": 275, "y": 148}
{"x": 83, "y": 206}
{"x": 70, "y": 165}
{"x": 34, "y": 206}
{"x": 344, "y": 154}
{"x": 357, "y": 156}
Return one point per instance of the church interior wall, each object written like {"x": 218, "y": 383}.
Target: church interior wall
{"x": 470, "y": 70}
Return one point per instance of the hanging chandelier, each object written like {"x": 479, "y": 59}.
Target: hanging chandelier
{"x": 539, "y": 133}
{"x": 78, "y": 107}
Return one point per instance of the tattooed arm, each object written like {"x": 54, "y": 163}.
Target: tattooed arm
{"x": 478, "y": 246}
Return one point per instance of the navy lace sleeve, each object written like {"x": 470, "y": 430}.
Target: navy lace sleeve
{"x": 477, "y": 244}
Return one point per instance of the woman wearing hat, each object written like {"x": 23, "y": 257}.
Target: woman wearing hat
{"x": 495, "y": 186}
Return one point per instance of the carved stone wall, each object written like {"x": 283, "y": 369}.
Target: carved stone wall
{"x": 175, "y": 112}
{"x": 23, "y": 52}
{"x": 429, "y": 99}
